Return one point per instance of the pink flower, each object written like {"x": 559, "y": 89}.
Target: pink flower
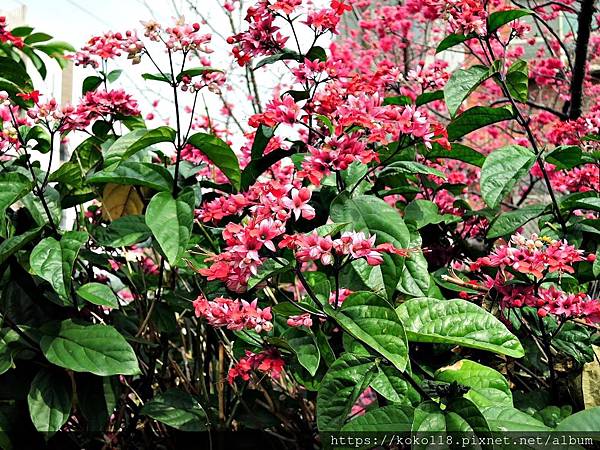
{"x": 233, "y": 314}
{"x": 302, "y": 320}
{"x": 298, "y": 203}
{"x": 268, "y": 361}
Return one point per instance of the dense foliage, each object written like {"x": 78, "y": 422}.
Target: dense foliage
{"x": 390, "y": 243}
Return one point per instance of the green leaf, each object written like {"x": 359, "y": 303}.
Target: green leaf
{"x": 98, "y": 294}
{"x": 475, "y": 118}
{"x": 220, "y": 154}
{"x": 457, "y": 322}
{"x": 373, "y": 215}
{"x": 13, "y": 186}
{"x": 34, "y": 38}
{"x": 477, "y": 377}
{"x": 114, "y": 75}
{"x": 370, "y": 319}
{"x": 345, "y": 380}
{"x": 261, "y": 139}
{"x": 506, "y": 418}
{"x": 591, "y": 203}
{"x": 402, "y": 100}
{"x": 452, "y": 40}
{"x": 170, "y": 221}
{"x": 14, "y": 79}
{"x": 99, "y": 349}
{"x": 391, "y": 418}
{"x": 586, "y": 421}
{"x": 195, "y": 71}
{"x": 136, "y": 140}
{"x": 459, "y": 151}
{"x": 461, "y": 84}
{"x": 37, "y": 210}
{"x": 268, "y": 269}
{"x": 49, "y": 400}
{"x": 389, "y": 383}
{"x": 499, "y": 18}
{"x": 501, "y": 171}
{"x": 506, "y": 223}
{"x": 427, "y": 97}
{"x": 565, "y": 157}
{"x": 91, "y": 83}
{"x": 415, "y": 277}
{"x": 165, "y": 78}
{"x": 517, "y": 80}
{"x": 411, "y": 167}
{"x": 13, "y": 244}
{"x": 123, "y": 232}
{"x": 53, "y": 260}
{"x": 316, "y": 53}
{"x": 135, "y": 173}
{"x": 424, "y": 212}
{"x": 302, "y": 342}
{"x": 178, "y": 409}
{"x": 282, "y": 56}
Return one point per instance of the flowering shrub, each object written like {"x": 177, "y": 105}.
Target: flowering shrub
{"x": 390, "y": 243}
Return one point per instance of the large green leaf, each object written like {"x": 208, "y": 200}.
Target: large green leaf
{"x": 14, "y": 79}
{"x": 458, "y": 151}
{"x": 374, "y": 216}
{"x": 13, "y": 186}
{"x": 171, "y": 223}
{"x": 302, "y": 342}
{"x": 37, "y": 210}
{"x": 220, "y": 154}
{"x": 453, "y": 39}
{"x": 501, "y": 171}
{"x": 457, "y": 322}
{"x": 390, "y": 384}
{"x": 517, "y": 80}
{"x": 261, "y": 139}
{"x": 415, "y": 277}
{"x": 499, "y": 18}
{"x": 586, "y": 421}
{"x": 136, "y": 140}
{"x": 508, "y": 222}
{"x": 49, "y": 400}
{"x": 178, "y": 409}
{"x": 475, "y": 118}
{"x": 98, "y": 294}
{"x": 479, "y": 378}
{"x": 136, "y": 173}
{"x": 53, "y": 260}
{"x": 99, "y": 349}
{"x": 15, "y": 243}
{"x": 461, "y": 84}
{"x": 345, "y": 380}
{"x": 459, "y": 416}
{"x": 370, "y": 319}
{"x": 123, "y": 232}
{"x": 391, "y": 418}
{"x": 506, "y": 418}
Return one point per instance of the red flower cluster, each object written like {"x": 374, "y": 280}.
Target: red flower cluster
{"x": 108, "y": 46}
{"x": 97, "y": 104}
{"x": 7, "y": 36}
{"x": 312, "y": 247}
{"x": 262, "y": 36}
{"x": 233, "y": 314}
{"x": 534, "y": 256}
{"x": 551, "y": 300}
{"x": 466, "y": 16}
{"x": 268, "y": 361}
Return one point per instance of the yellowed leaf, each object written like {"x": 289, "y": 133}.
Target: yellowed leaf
{"x": 119, "y": 200}
{"x": 590, "y": 381}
